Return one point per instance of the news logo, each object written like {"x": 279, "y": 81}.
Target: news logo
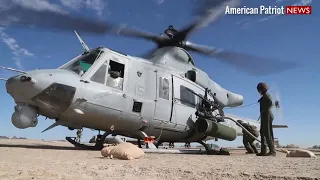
{"x": 298, "y": 9}
{"x": 269, "y": 10}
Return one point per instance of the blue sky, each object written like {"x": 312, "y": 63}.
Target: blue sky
{"x": 292, "y": 38}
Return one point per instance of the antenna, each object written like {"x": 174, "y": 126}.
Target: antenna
{"x": 84, "y": 45}
{"x": 11, "y": 69}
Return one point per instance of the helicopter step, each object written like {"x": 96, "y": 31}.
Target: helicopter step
{"x": 98, "y": 145}
{"x": 79, "y": 145}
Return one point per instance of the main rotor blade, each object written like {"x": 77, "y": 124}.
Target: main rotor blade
{"x": 199, "y": 48}
{"x": 209, "y": 11}
{"x": 123, "y": 30}
{"x": 249, "y": 63}
{"x": 20, "y": 16}
{"x": 255, "y": 65}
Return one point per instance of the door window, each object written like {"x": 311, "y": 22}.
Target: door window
{"x": 163, "y": 88}
{"x": 186, "y": 97}
{"x": 115, "y": 75}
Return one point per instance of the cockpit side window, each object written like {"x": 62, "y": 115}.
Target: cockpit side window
{"x": 85, "y": 61}
{"x": 100, "y": 75}
{"x": 115, "y": 75}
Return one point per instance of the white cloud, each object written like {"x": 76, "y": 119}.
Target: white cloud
{"x": 269, "y": 17}
{"x": 16, "y": 50}
{"x": 280, "y": 1}
{"x": 35, "y": 5}
{"x": 39, "y": 5}
{"x": 302, "y": 3}
{"x": 97, "y": 5}
{"x": 159, "y": 1}
{"x": 299, "y": 2}
{"x": 4, "y": 6}
{"x": 72, "y": 4}
{"x": 243, "y": 21}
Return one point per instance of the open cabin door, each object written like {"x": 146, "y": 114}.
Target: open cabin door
{"x": 184, "y": 102}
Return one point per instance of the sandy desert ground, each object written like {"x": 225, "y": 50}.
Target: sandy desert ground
{"x": 35, "y": 159}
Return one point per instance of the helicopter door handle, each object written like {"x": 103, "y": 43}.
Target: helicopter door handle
{"x": 84, "y": 81}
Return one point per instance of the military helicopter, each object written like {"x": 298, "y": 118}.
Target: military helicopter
{"x": 163, "y": 94}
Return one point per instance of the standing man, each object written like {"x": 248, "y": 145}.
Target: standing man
{"x": 266, "y": 117}
{"x": 79, "y": 134}
{"x": 247, "y": 139}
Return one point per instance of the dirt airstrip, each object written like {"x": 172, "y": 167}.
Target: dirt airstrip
{"x": 35, "y": 159}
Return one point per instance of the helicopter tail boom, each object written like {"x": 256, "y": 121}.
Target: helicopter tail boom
{"x": 224, "y": 97}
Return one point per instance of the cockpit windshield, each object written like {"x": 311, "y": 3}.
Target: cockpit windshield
{"x": 85, "y": 61}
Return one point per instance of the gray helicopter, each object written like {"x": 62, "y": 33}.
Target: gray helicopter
{"x": 162, "y": 94}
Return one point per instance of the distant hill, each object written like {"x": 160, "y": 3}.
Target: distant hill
{"x": 4, "y": 137}
{"x": 14, "y": 137}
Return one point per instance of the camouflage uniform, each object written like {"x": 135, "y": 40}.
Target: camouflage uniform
{"x": 266, "y": 129}
{"x": 79, "y": 134}
{"x": 248, "y": 140}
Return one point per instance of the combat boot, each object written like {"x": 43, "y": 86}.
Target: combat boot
{"x": 272, "y": 153}
{"x": 263, "y": 151}
{"x": 272, "y": 149}
{"x": 262, "y": 154}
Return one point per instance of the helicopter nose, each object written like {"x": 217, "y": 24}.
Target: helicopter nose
{"x": 18, "y": 82}
{"x": 11, "y": 83}
{"x": 20, "y": 87}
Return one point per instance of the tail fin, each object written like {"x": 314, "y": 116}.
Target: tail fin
{"x": 84, "y": 45}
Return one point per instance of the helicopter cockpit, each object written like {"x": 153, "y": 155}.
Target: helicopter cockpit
{"x": 82, "y": 63}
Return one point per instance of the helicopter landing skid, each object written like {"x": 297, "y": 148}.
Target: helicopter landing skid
{"x": 210, "y": 151}
{"x": 98, "y": 146}
{"x": 82, "y": 146}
